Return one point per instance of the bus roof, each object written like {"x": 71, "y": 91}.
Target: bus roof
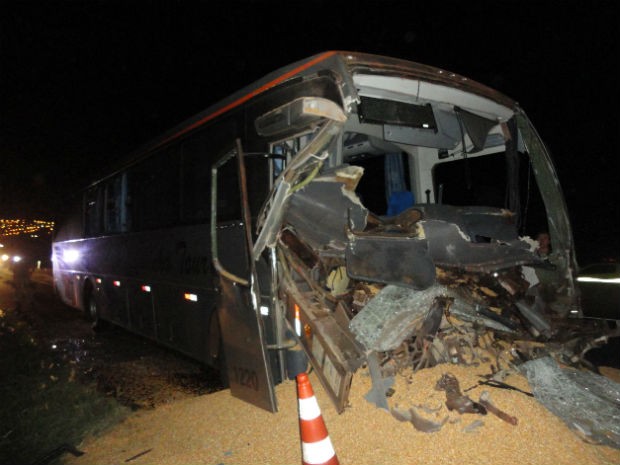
{"x": 349, "y": 62}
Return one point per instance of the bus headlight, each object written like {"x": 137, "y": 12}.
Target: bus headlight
{"x": 70, "y": 255}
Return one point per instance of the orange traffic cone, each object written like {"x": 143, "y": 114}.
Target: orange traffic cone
{"x": 316, "y": 447}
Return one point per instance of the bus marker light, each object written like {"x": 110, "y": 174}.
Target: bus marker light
{"x": 146, "y": 288}
{"x": 190, "y": 297}
{"x": 117, "y": 283}
{"x": 297, "y": 321}
{"x": 98, "y": 280}
{"x": 264, "y": 310}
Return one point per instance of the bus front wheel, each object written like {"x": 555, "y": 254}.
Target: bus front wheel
{"x": 91, "y": 309}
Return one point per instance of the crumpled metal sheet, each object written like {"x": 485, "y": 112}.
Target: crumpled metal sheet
{"x": 390, "y": 260}
{"x": 588, "y": 403}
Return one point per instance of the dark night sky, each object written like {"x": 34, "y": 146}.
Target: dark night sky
{"x": 84, "y": 82}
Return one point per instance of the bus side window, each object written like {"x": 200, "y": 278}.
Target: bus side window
{"x": 228, "y": 194}
{"x": 93, "y": 211}
{"x": 196, "y": 179}
{"x": 116, "y": 215}
{"x": 112, "y": 202}
{"x": 154, "y": 186}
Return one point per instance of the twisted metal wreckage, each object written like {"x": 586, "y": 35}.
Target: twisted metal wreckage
{"x": 414, "y": 290}
{"x": 432, "y": 281}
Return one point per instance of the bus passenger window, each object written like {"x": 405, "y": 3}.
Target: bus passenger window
{"x": 196, "y": 178}
{"x": 92, "y": 212}
{"x": 116, "y": 214}
{"x": 228, "y": 195}
{"x": 154, "y": 184}
{"x": 112, "y": 205}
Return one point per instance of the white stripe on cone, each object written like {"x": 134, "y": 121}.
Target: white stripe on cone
{"x": 316, "y": 453}
{"x": 309, "y": 408}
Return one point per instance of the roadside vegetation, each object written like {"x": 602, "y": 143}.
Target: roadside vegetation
{"x": 44, "y": 410}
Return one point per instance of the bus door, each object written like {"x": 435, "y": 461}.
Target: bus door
{"x": 245, "y": 352}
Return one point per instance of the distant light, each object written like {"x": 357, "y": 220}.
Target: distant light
{"x": 117, "y": 283}
{"x": 145, "y": 288}
{"x": 54, "y": 346}
{"x": 425, "y": 125}
{"x": 589, "y": 279}
{"x": 5, "y": 257}
{"x": 17, "y": 259}
{"x": 1, "y": 245}
{"x": 70, "y": 255}
{"x": 98, "y": 280}
{"x": 190, "y": 297}
{"x": 264, "y": 310}
{"x": 574, "y": 311}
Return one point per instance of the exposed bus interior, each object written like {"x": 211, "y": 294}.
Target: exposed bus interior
{"x": 410, "y": 240}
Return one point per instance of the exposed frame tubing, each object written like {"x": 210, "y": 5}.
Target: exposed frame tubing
{"x": 244, "y": 199}
{"x": 214, "y": 252}
{"x": 278, "y": 315}
{"x": 295, "y": 264}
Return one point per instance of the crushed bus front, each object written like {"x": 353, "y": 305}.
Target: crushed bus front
{"x": 404, "y": 228}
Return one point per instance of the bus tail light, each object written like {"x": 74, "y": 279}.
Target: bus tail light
{"x": 190, "y": 297}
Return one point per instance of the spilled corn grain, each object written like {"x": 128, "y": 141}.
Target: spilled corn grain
{"x": 219, "y": 429}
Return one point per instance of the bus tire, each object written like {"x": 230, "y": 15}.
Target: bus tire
{"x": 91, "y": 308}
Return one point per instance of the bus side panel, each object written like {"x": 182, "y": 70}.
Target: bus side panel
{"x": 112, "y": 300}
{"x": 156, "y": 283}
{"x": 183, "y": 320}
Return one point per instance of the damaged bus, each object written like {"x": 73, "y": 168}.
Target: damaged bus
{"x": 350, "y": 205}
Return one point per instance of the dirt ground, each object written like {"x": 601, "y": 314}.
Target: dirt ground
{"x": 61, "y": 381}
{"x": 135, "y": 371}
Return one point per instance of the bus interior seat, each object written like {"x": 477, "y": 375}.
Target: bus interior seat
{"x": 399, "y": 202}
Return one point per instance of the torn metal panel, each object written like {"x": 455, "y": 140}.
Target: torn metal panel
{"x": 380, "y": 384}
{"x": 474, "y": 313}
{"x": 390, "y": 259}
{"x": 321, "y": 211}
{"x": 534, "y": 314}
{"x": 270, "y": 216}
{"x": 448, "y": 246}
{"x": 478, "y": 224}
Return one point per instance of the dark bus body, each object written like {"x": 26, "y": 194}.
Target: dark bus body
{"x": 250, "y": 227}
